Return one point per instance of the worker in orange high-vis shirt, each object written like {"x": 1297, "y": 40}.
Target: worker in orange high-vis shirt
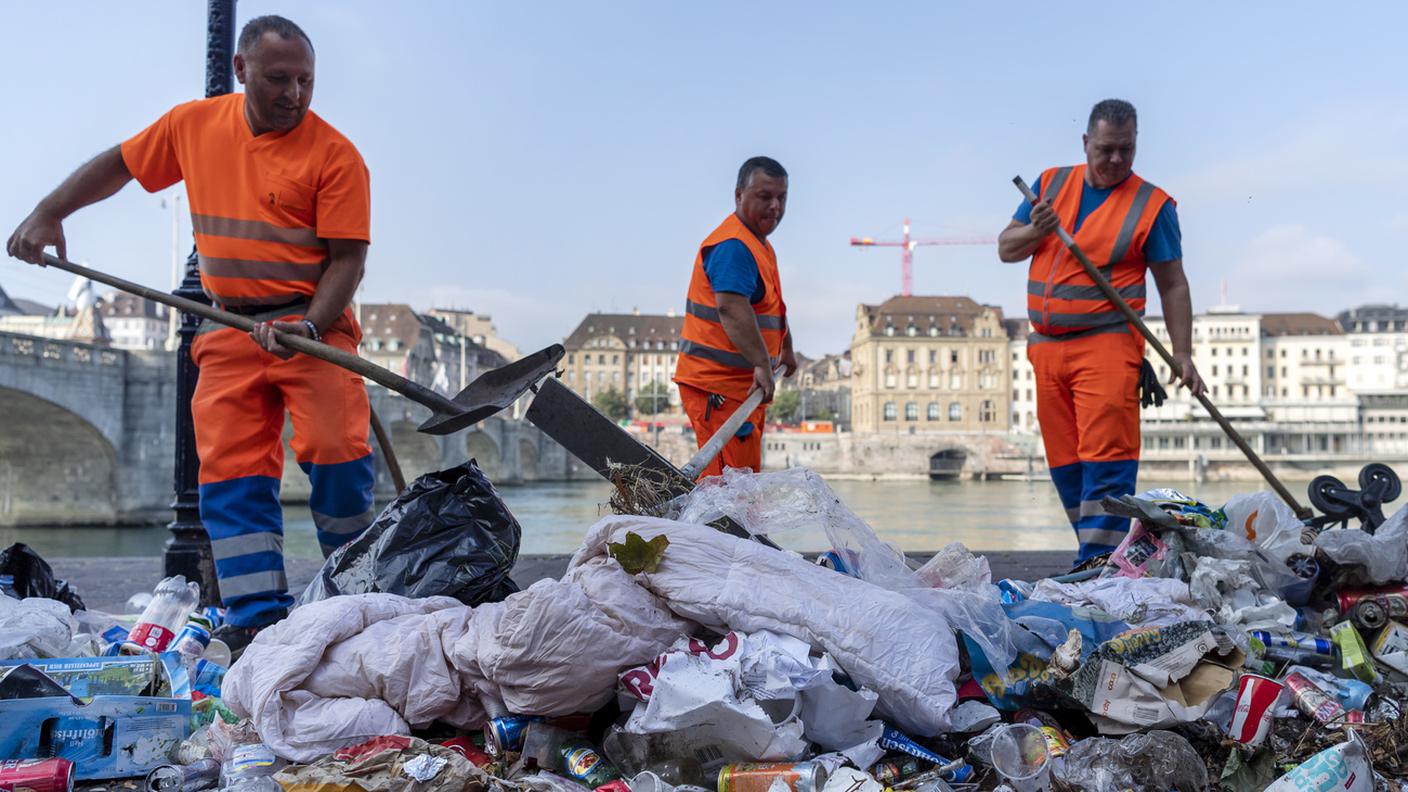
{"x": 1088, "y": 362}
{"x": 735, "y": 324}
{"x": 280, "y": 205}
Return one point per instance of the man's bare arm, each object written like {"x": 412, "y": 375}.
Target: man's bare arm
{"x": 347, "y": 261}
{"x": 1178, "y": 318}
{"x": 741, "y": 324}
{"x": 1018, "y": 241}
{"x": 95, "y": 180}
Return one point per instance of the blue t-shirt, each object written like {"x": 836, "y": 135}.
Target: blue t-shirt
{"x": 1165, "y": 241}
{"x": 730, "y": 268}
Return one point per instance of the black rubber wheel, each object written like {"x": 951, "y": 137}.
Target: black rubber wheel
{"x": 1321, "y": 492}
{"x": 1377, "y": 474}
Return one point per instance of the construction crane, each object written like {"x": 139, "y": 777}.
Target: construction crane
{"x": 907, "y": 247}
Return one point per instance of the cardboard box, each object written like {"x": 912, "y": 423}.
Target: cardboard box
{"x": 109, "y": 736}
{"x": 86, "y": 677}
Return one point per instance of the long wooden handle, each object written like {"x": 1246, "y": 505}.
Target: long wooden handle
{"x": 1134, "y": 318}
{"x": 715, "y": 444}
{"x": 307, "y": 346}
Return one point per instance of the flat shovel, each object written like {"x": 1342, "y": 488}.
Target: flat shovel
{"x": 596, "y": 440}
{"x": 489, "y": 393}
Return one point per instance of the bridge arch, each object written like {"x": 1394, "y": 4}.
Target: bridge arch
{"x": 56, "y": 467}
{"x": 482, "y": 448}
{"x": 418, "y": 453}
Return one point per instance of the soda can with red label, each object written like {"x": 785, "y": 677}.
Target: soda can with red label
{"x": 1311, "y": 700}
{"x": 36, "y": 775}
{"x": 1251, "y": 720}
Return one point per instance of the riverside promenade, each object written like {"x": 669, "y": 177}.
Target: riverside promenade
{"x": 106, "y": 583}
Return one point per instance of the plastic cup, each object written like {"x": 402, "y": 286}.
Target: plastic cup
{"x": 1020, "y": 756}
{"x": 1251, "y": 719}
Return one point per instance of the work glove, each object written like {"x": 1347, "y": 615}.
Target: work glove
{"x": 1151, "y": 391}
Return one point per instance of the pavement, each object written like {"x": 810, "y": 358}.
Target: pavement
{"x": 107, "y": 583}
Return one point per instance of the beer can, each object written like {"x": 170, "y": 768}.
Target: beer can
{"x": 193, "y": 777}
{"x": 1298, "y": 641}
{"x": 759, "y": 777}
{"x": 845, "y": 561}
{"x": 893, "y": 771}
{"x": 1311, "y": 700}
{"x": 505, "y": 734}
{"x": 36, "y": 775}
{"x": 584, "y": 762}
{"x": 192, "y": 640}
{"x": 1251, "y": 720}
{"x": 1372, "y": 608}
{"x": 892, "y": 739}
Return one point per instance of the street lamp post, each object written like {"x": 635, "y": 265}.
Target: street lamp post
{"x": 188, "y": 550}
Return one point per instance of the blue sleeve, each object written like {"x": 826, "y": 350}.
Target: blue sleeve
{"x": 1165, "y": 241}
{"x": 1023, "y": 214}
{"x": 730, "y": 268}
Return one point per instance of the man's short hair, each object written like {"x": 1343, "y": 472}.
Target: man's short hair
{"x": 255, "y": 29}
{"x": 767, "y": 165}
{"x": 1115, "y": 112}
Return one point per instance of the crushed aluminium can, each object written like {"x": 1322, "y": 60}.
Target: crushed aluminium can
{"x": 893, "y": 739}
{"x": 759, "y": 777}
{"x": 36, "y": 775}
{"x": 1372, "y": 608}
{"x": 505, "y": 734}
{"x": 1316, "y": 703}
{"x": 1295, "y": 640}
{"x": 193, "y": 777}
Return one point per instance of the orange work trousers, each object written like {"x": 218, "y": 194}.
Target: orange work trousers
{"x": 743, "y": 450}
{"x": 1088, "y": 407}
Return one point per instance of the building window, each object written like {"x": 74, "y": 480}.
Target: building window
{"x": 955, "y": 411}
{"x": 571, "y": 358}
{"x": 889, "y": 330}
{"x": 909, "y": 356}
{"x": 953, "y": 356}
{"x": 933, "y": 356}
{"x": 933, "y": 411}
{"x": 889, "y": 411}
{"x": 911, "y": 411}
{"x": 955, "y": 381}
{"x": 911, "y": 331}
{"x": 890, "y": 380}
{"x": 889, "y": 356}
{"x": 985, "y": 412}
{"x": 933, "y": 380}
{"x": 911, "y": 380}
{"x": 933, "y": 330}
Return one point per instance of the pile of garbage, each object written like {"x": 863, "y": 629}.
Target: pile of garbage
{"x": 1217, "y": 648}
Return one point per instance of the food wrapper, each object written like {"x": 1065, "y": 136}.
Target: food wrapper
{"x": 1354, "y": 656}
{"x": 386, "y": 764}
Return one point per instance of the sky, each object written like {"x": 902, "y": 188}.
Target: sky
{"x": 536, "y": 161}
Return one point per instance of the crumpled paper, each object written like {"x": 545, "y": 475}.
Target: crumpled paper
{"x": 386, "y": 764}
{"x": 1229, "y": 588}
{"x": 1142, "y": 602}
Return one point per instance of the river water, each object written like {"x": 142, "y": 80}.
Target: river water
{"x": 915, "y": 515}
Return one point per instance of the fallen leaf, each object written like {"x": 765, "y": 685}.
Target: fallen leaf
{"x": 635, "y": 555}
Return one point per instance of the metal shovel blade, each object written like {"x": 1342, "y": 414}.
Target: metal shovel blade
{"x": 493, "y": 391}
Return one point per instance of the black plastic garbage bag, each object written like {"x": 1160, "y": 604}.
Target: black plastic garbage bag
{"x": 449, "y": 534}
{"x": 24, "y": 573}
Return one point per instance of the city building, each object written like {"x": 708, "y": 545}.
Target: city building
{"x": 421, "y": 348}
{"x": 825, "y": 389}
{"x": 478, "y": 328}
{"x": 1378, "y": 354}
{"x": 929, "y": 364}
{"x": 626, "y": 352}
{"x": 135, "y": 323}
{"x": 1023, "y": 406}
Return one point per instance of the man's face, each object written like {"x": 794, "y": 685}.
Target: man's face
{"x": 1109, "y": 153}
{"x": 277, "y": 75}
{"x": 762, "y": 202}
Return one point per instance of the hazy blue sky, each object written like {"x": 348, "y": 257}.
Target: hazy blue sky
{"x": 540, "y": 160}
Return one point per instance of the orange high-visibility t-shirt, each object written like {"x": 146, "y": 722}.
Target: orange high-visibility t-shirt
{"x": 260, "y": 206}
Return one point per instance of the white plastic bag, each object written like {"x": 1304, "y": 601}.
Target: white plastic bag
{"x": 1263, "y": 518}
{"x": 1384, "y": 554}
{"x": 34, "y": 627}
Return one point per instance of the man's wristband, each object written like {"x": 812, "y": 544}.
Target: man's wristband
{"x": 313, "y": 329}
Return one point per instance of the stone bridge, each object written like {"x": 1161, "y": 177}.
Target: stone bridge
{"x": 87, "y": 436}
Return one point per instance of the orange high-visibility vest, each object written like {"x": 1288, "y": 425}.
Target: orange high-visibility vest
{"x": 1061, "y": 298}
{"x": 708, "y": 359}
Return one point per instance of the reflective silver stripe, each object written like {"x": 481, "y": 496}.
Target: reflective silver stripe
{"x": 1073, "y": 515}
{"x": 297, "y": 309}
{"x": 253, "y": 583}
{"x": 1049, "y": 191}
{"x": 262, "y": 542}
{"x": 731, "y": 359}
{"x": 1131, "y": 219}
{"x": 262, "y": 270}
{"x": 343, "y": 525}
{"x": 705, "y": 312}
{"x": 1095, "y": 536}
{"x": 1086, "y": 319}
{"x": 1076, "y": 291}
{"x": 1042, "y": 338}
{"x": 214, "y": 225}
{"x": 1092, "y": 509}
{"x": 711, "y": 314}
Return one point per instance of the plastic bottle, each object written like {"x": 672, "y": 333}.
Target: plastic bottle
{"x": 250, "y": 768}
{"x": 173, "y": 599}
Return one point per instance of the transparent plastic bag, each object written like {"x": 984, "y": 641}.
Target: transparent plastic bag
{"x": 1383, "y": 554}
{"x": 1156, "y": 761}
